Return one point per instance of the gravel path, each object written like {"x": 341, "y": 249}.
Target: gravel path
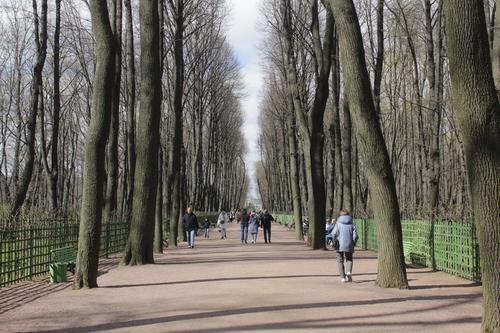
{"x": 224, "y": 286}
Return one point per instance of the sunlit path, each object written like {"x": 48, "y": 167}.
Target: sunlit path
{"x": 223, "y": 286}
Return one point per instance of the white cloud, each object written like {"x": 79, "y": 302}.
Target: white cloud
{"x": 244, "y": 37}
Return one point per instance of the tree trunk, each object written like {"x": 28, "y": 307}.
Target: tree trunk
{"x": 53, "y": 174}
{"x": 391, "y": 267}
{"x": 294, "y": 174}
{"x": 158, "y": 242}
{"x": 139, "y": 249}
{"x": 346, "y": 157}
{"x": 379, "y": 64}
{"x": 478, "y": 112}
{"x": 89, "y": 239}
{"x": 112, "y": 148}
{"x": 495, "y": 54}
{"x": 36, "y": 93}
{"x": 311, "y": 124}
{"x": 130, "y": 110}
{"x": 435, "y": 79}
{"x": 177, "y": 142}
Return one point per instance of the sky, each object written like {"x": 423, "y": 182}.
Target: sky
{"x": 243, "y": 35}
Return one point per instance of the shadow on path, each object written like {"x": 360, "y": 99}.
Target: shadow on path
{"x": 289, "y": 324}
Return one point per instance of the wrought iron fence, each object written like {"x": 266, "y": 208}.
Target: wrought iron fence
{"x": 444, "y": 245}
{"x": 25, "y": 249}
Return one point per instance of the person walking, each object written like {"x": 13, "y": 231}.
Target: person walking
{"x": 267, "y": 219}
{"x": 245, "y": 218}
{"x": 206, "y": 227}
{"x": 190, "y": 224}
{"x": 253, "y": 226}
{"x": 221, "y": 223}
{"x": 344, "y": 239}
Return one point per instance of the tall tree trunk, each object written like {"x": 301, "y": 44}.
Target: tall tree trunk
{"x": 379, "y": 64}
{"x": 346, "y": 156}
{"x": 391, "y": 267}
{"x": 89, "y": 239}
{"x": 311, "y": 124}
{"x": 294, "y": 174}
{"x": 495, "y": 54}
{"x": 54, "y": 168}
{"x": 112, "y": 149}
{"x": 139, "y": 249}
{"x": 177, "y": 142}
{"x": 478, "y": 112}
{"x": 130, "y": 110}
{"x": 435, "y": 79}
{"x": 36, "y": 92}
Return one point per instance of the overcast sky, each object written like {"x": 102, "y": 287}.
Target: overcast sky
{"x": 244, "y": 37}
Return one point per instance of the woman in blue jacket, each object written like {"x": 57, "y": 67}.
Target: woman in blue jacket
{"x": 345, "y": 237}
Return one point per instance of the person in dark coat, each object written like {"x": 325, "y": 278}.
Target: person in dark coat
{"x": 266, "y": 221}
{"x": 190, "y": 224}
{"x": 245, "y": 218}
{"x": 206, "y": 226}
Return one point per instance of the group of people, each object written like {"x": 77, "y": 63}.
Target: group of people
{"x": 341, "y": 233}
{"x": 250, "y": 222}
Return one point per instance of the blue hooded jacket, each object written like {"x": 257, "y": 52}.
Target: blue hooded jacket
{"x": 345, "y": 232}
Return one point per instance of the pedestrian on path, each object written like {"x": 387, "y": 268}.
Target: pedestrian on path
{"x": 206, "y": 227}
{"x": 253, "y": 226}
{"x": 221, "y": 223}
{"x": 190, "y": 224}
{"x": 267, "y": 219}
{"x": 344, "y": 239}
{"x": 245, "y": 218}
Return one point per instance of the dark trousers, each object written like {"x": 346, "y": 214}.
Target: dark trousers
{"x": 267, "y": 233}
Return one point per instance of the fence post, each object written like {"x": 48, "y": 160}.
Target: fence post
{"x": 31, "y": 251}
{"x": 107, "y": 240}
{"x": 431, "y": 246}
{"x": 365, "y": 234}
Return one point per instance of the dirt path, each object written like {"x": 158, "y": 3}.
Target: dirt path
{"x": 224, "y": 286}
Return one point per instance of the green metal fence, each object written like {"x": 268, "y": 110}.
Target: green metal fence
{"x": 443, "y": 245}
{"x": 25, "y": 250}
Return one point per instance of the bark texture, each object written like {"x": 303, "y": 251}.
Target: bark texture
{"x": 89, "y": 239}
{"x": 139, "y": 249}
{"x": 478, "y": 111}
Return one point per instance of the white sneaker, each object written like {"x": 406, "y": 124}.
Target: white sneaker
{"x": 349, "y": 277}
{"x": 343, "y": 280}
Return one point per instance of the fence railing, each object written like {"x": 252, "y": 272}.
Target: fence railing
{"x": 25, "y": 250}
{"x": 447, "y": 246}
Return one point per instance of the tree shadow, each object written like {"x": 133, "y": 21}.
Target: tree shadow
{"x": 320, "y": 323}
{"x": 26, "y": 292}
{"x": 243, "y": 278}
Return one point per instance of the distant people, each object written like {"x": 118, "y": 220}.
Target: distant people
{"x": 330, "y": 224}
{"x": 231, "y": 216}
{"x": 345, "y": 238}
{"x": 266, "y": 221}
{"x": 238, "y": 216}
{"x": 253, "y": 226}
{"x": 206, "y": 227}
{"x": 221, "y": 223}
{"x": 244, "y": 219}
{"x": 190, "y": 224}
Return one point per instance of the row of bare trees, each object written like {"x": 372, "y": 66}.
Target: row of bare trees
{"x": 119, "y": 109}
{"x": 374, "y": 107}
{"x": 49, "y": 61}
